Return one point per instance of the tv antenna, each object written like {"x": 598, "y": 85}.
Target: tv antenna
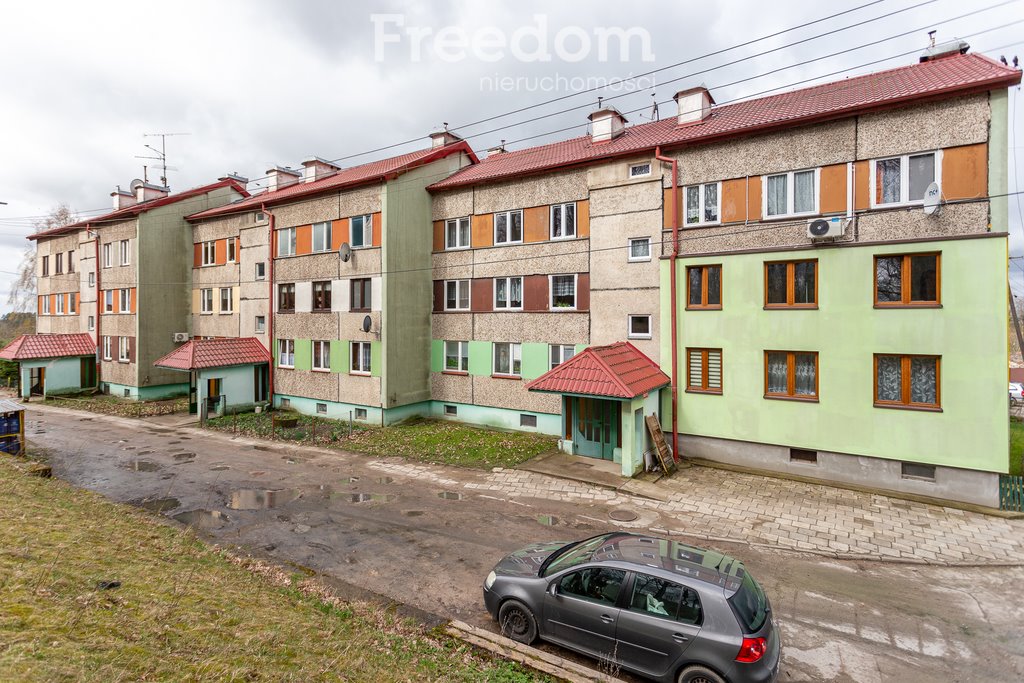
{"x": 161, "y": 154}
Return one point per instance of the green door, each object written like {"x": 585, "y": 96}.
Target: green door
{"x": 595, "y": 427}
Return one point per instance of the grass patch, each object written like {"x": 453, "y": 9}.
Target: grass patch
{"x": 113, "y": 405}
{"x": 432, "y": 441}
{"x": 1016, "y": 447}
{"x": 185, "y": 611}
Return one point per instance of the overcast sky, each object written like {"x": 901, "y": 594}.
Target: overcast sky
{"x": 258, "y": 83}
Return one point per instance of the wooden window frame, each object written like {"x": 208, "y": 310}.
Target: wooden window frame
{"x": 791, "y": 285}
{"x": 291, "y": 294}
{"x": 45, "y": 267}
{"x": 791, "y": 394}
{"x": 364, "y": 285}
{"x": 328, "y": 296}
{"x": 905, "y": 278}
{"x": 905, "y": 364}
{"x": 704, "y": 305}
{"x": 704, "y": 388}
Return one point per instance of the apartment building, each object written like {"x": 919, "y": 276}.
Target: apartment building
{"x": 344, "y": 297}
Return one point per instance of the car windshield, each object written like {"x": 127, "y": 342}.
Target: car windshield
{"x": 577, "y": 554}
{"x": 749, "y": 604}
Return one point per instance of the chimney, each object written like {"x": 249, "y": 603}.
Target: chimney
{"x": 497, "y": 149}
{"x": 315, "y": 168}
{"x": 947, "y": 49}
{"x": 145, "y": 192}
{"x": 694, "y": 105}
{"x": 443, "y": 137}
{"x": 241, "y": 180}
{"x": 122, "y": 198}
{"x": 606, "y": 124}
{"x": 281, "y": 177}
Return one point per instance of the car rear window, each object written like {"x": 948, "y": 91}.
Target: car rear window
{"x": 749, "y": 604}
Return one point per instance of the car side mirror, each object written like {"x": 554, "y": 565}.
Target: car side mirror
{"x": 553, "y": 589}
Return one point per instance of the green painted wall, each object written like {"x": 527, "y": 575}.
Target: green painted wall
{"x": 480, "y": 358}
{"x": 62, "y": 375}
{"x": 340, "y": 353}
{"x": 237, "y": 385}
{"x": 304, "y": 354}
{"x": 536, "y": 358}
{"x": 500, "y": 418}
{"x": 335, "y": 409}
{"x": 969, "y": 332}
{"x": 436, "y": 355}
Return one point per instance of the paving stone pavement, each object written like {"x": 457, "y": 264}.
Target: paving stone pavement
{"x": 723, "y": 505}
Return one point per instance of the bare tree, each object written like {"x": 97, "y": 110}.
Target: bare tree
{"x": 22, "y": 297}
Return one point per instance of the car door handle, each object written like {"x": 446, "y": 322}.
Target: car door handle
{"x": 679, "y": 637}
{"x": 607, "y": 618}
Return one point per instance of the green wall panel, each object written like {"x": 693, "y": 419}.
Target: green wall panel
{"x": 303, "y": 354}
{"x": 479, "y": 358}
{"x": 436, "y": 355}
{"x": 536, "y": 360}
{"x": 375, "y": 359}
{"x": 340, "y": 356}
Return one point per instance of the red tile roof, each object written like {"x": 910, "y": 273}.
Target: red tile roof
{"x": 29, "y": 346}
{"x": 136, "y": 209}
{"x": 618, "y": 370}
{"x": 215, "y": 353}
{"x": 373, "y": 172}
{"x": 946, "y": 77}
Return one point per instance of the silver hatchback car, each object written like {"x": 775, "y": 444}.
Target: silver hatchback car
{"x": 658, "y": 608}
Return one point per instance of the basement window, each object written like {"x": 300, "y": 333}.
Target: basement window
{"x": 527, "y": 420}
{"x": 913, "y": 470}
{"x": 451, "y": 410}
{"x": 803, "y": 455}
{"x": 360, "y": 413}
{"x": 286, "y": 403}
{"x": 127, "y": 393}
{"x": 321, "y": 408}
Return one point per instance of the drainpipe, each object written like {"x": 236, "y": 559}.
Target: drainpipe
{"x": 99, "y": 337}
{"x": 270, "y": 306}
{"x": 676, "y": 220}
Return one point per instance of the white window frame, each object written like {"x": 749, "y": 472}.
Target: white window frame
{"x": 364, "y": 355}
{"x": 461, "y": 355}
{"x": 123, "y": 352}
{"x": 259, "y": 325}
{"x": 92, "y": 278}
{"x": 367, "y": 222}
{"x": 560, "y": 209}
{"x": 209, "y": 253}
{"x": 206, "y": 301}
{"x": 125, "y": 250}
{"x": 232, "y": 249}
{"x": 630, "y": 334}
{"x": 515, "y": 354}
{"x": 58, "y": 263}
{"x": 321, "y": 361}
{"x": 60, "y": 305}
{"x": 260, "y": 270}
{"x": 904, "y": 178}
{"x": 324, "y": 227}
{"x": 560, "y": 348}
{"x": 231, "y": 301}
{"x": 108, "y": 255}
{"x": 71, "y": 260}
{"x": 458, "y": 222}
{"x": 629, "y": 252}
{"x": 702, "y": 204}
{"x": 286, "y": 353}
{"x": 46, "y": 304}
{"x": 790, "y": 194}
{"x": 106, "y": 349}
{"x": 633, "y": 167}
{"x": 72, "y": 308}
{"x": 44, "y": 266}
{"x": 508, "y": 290}
{"x": 90, "y": 323}
{"x": 458, "y": 287}
{"x": 508, "y": 227}
{"x": 108, "y": 301}
{"x": 124, "y": 301}
{"x": 575, "y": 292}
{"x": 286, "y": 237}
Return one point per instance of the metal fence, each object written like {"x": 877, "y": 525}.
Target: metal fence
{"x": 1011, "y": 492}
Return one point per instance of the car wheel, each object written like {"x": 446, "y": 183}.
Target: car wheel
{"x": 517, "y": 622}
{"x": 699, "y": 674}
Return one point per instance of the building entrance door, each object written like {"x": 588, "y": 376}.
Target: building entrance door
{"x": 36, "y": 381}
{"x": 596, "y": 427}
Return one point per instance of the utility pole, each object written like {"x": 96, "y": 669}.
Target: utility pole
{"x": 161, "y": 153}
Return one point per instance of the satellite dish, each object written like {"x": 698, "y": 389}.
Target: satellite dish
{"x": 367, "y": 323}
{"x": 819, "y": 228}
{"x": 932, "y": 200}
{"x": 345, "y": 252}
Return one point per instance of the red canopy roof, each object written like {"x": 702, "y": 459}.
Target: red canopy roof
{"x": 945, "y": 77}
{"x": 618, "y": 370}
{"x": 29, "y": 346}
{"x": 215, "y": 353}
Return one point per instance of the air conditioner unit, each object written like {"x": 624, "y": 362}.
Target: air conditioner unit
{"x": 180, "y": 337}
{"x": 821, "y": 228}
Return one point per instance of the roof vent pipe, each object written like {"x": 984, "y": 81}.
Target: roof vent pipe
{"x": 694, "y": 105}
{"x": 607, "y": 123}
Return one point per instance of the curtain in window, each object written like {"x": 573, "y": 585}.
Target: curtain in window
{"x": 516, "y": 292}
{"x": 889, "y": 278}
{"x": 922, "y": 174}
{"x": 452, "y": 228}
{"x": 501, "y": 228}
{"x": 803, "y": 192}
{"x": 776, "y": 195}
{"x": 501, "y": 293}
{"x": 693, "y": 204}
{"x": 563, "y": 290}
{"x": 556, "y": 221}
{"x": 777, "y": 373}
{"x": 639, "y": 248}
{"x": 516, "y": 229}
{"x": 890, "y": 378}
{"x": 696, "y": 369}
{"x": 777, "y": 283}
{"x": 503, "y": 359}
{"x": 887, "y": 181}
{"x": 696, "y": 280}
{"x": 923, "y": 380}
{"x": 714, "y": 286}
{"x": 711, "y": 202}
{"x": 451, "y": 295}
{"x": 805, "y": 374}
{"x": 803, "y": 282}
{"x": 463, "y": 232}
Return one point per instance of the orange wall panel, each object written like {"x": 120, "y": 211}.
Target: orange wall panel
{"x": 53, "y": 304}
{"x": 220, "y": 252}
{"x": 197, "y": 255}
{"x": 304, "y": 239}
{"x": 483, "y": 230}
{"x": 734, "y": 200}
{"x": 339, "y": 233}
{"x": 78, "y": 302}
{"x": 583, "y": 218}
{"x": 668, "y": 211}
{"x": 965, "y": 172}
{"x": 438, "y": 235}
{"x": 132, "y": 298}
{"x": 833, "y": 189}
{"x": 861, "y": 185}
{"x": 378, "y": 229}
{"x": 535, "y": 224}
{"x": 39, "y": 305}
{"x": 753, "y": 189}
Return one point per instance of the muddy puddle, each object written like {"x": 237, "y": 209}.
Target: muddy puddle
{"x": 261, "y": 499}
{"x": 160, "y": 504}
{"x": 547, "y": 520}
{"x": 141, "y": 466}
{"x": 384, "y": 480}
{"x": 203, "y": 519}
{"x": 450, "y": 495}
{"x": 184, "y": 457}
{"x": 369, "y": 498}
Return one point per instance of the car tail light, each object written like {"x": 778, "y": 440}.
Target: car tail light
{"x": 751, "y": 650}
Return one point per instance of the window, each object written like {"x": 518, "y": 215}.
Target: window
{"x": 457, "y": 233}
{"x": 456, "y": 356}
{"x": 90, "y": 323}
{"x": 561, "y": 353}
{"x": 46, "y": 304}
{"x": 58, "y": 264}
{"x": 322, "y": 296}
{"x": 456, "y": 295}
{"x": 71, "y": 261}
{"x": 286, "y": 242}
{"x": 232, "y": 249}
{"x": 361, "y": 295}
{"x": 526, "y": 420}
{"x": 563, "y": 221}
{"x": 704, "y": 370}
{"x": 360, "y": 413}
{"x": 907, "y": 280}
{"x": 702, "y": 204}
{"x": 92, "y": 279}
{"x": 108, "y": 301}
{"x": 322, "y": 356}
{"x": 286, "y": 298}
{"x": 321, "y": 408}
{"x": 209, "y": 253}
{"x": 563, "y": 292}
{"x": 508, "y": 293}
{"x": 596, "y": 584}
{"x": 904, "y": 179}
{"x": 124, "y": 301}
{"x": 261, "y": 271}
{"x": 126, "y": 253}
{"x": 451, "y": 410}
{"x": 360, "y": 358}
{"x": 286, "y": 353}
{"x": 60, "y": 305}
{"x": 791, "y": 284}
{"x": 108, "y": 256}
{"x": 508, "y": 227}
{"x": 791, "y": 374}
{"x": 790, "y": 194}
{"x": 226, "y": 299}
{"x": 46, "y": 266}
{"x": 260, "y": 324}
{"x": 322, "y": 236}
{"x": 660, "y": 598}
{"x": 639, "y": 326}
{"x": 704, "y": 287}
{"x": 639, "y": 170}
{"x": 640, "y": 249}
{"x": 907, "y": 381}
{"x": 286, "y": 403}
{"x": 106, "y": 349}
{"x": 72, "y": 303}
{"x": 361, "y": 231}
{"x": 122, "y": 349}
{"x": 206, "y": 301}
{"x": 508, "y": 359}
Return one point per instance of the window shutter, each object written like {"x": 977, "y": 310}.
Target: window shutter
{"x": 197, "y": 255}
{"x": 131, "y": 295}
{"x": 131, "y": 349}
{"x": 696, "y": 369}
{"x": 714, "y": 369}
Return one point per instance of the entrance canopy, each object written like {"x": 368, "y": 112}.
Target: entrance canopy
{"x": 199, "y": 354}
{"x": 33, "y": 346}
{"x": 617, "y": 371}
